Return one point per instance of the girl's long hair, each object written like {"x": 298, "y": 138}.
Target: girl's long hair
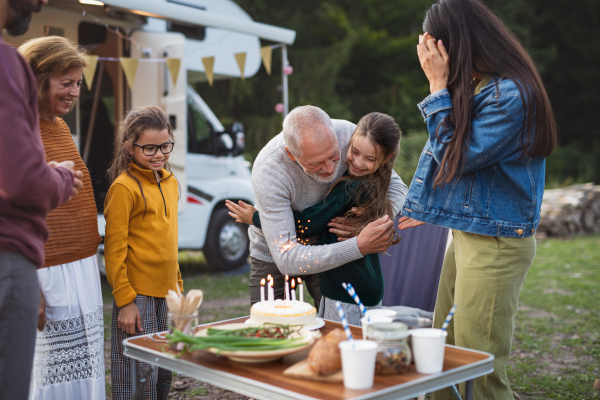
{"x": 477, "y": 41}
{"x": 372, "y": 190}
{"x": 136, "y": 122}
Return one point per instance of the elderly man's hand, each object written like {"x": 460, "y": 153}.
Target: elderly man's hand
{"x": 344, "y": 228}
{"x": 376, "y": 237}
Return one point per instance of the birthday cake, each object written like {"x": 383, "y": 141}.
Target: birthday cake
{"x": 283, "y": 312}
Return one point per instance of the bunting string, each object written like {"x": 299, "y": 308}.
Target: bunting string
{"x": 130, "y": 64}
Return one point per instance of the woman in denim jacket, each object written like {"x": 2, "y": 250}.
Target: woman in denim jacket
{"x": 481, "y": 174}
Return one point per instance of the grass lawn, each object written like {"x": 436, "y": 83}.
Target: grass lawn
{"x": 556, "y": 346}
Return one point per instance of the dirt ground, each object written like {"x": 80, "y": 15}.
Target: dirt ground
{"x": 182, "y": 387}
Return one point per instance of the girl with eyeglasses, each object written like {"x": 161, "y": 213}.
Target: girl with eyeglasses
{"x": 141, "y": 241}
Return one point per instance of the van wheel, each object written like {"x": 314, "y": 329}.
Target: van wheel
{"x": 227, "y": 245}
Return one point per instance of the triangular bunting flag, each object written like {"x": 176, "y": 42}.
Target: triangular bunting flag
{"x": 241, "y": 61}
{"x": 90, "y": 70}
{"x": 130, "y": 68}
{"x": 209, "y": 63}
{"x": 267, "y": 53}
{"x": 174, "y": 64}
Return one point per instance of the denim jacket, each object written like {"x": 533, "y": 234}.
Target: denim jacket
{"x": 499, "y": 192}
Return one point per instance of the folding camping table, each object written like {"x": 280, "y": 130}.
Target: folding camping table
{"x": 266, "y": 380}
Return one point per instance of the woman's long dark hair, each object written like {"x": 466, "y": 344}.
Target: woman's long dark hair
{"x": 477, "y": 41}
{"x": 372, "y": 191}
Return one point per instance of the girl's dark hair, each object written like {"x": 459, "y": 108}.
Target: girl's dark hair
{"x": 477, "y": 41}
{"x": 384, "y": 133}
{"x": 136, "y": 122}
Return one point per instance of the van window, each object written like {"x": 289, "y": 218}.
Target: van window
{"x": 189, "y": 31}
{"x": 200, "y": 137}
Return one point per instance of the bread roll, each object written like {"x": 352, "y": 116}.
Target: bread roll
{"x": 324, "y": 358}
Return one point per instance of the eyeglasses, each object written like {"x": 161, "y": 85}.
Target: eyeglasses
{"x": 151, "y": 149}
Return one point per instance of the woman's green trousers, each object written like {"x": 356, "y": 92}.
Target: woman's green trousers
{"x": 483, "y": 276}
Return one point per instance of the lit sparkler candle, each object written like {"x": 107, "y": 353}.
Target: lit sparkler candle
{"x": 293, "y": 293}
{"x": 286, "y": 294}
{"x": 300, "y": 290}
{"x": 262, "y": 289}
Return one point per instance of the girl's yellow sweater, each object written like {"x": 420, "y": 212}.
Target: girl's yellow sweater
{"x": 140, "y": 243}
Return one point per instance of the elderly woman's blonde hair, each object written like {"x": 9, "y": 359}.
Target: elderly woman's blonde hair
{"x": 51, "y": 56}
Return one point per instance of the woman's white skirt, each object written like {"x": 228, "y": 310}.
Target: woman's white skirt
{"x": 69, "y": 353}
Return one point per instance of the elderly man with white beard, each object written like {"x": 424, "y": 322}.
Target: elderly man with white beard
{"x": 292, "y": 172}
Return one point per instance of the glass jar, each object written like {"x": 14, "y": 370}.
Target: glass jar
{"x": 185, "y": 323}
{"x": 393, "y": 353}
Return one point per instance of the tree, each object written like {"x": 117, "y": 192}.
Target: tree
{"x": 352, "y": 57}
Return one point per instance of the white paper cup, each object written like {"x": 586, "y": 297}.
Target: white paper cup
{"x": 367, "y": 320}
{"x": 428, "y": 346}
{"x": 358, "y": 363}
{"x": 380, "y": 312}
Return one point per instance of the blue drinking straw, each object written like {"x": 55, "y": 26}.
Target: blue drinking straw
{"x": 338, "y": 305}
{"x": 352, "y": 293}
{"x": 449, "y": 317}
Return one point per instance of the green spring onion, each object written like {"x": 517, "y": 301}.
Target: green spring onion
{"x": 245, "y": 339}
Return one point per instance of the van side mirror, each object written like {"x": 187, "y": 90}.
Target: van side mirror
{"x": 237, "y": 129}
{"x": 224, "y": 145}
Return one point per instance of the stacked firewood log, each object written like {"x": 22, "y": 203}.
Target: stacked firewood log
{"x": 570, "y": 211}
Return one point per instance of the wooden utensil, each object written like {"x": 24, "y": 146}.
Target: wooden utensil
{"x": 301, "y": 370}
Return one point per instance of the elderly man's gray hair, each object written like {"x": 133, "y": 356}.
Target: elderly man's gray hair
{"x": 305, "y": 119}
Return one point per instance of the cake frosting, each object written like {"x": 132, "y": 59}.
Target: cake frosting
{"x": 282, "y": 312}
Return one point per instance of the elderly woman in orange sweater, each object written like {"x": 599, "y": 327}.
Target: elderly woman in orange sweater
{"x": 69, "y": 353}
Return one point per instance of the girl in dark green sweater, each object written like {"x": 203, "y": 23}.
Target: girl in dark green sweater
{"x": 358, "y": 198}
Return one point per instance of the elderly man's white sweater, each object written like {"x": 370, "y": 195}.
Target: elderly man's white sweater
{"x": 281, "y": 186}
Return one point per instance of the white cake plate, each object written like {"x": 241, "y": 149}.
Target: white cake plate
{"x": 319, "y": 323}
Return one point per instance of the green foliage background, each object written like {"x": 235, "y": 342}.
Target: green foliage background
{"x": 352, "y": 57}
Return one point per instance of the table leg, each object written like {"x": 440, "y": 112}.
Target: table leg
{"x": 455, "y": 392}
{"x": 134, "y": 378}
{"x": 470, "y": 390}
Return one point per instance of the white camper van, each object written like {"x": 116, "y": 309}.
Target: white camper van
{"x": 207, "y": 157}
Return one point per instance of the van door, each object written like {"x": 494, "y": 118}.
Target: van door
{"x": 153, "y": 86}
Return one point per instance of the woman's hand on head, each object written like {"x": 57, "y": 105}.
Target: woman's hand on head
{"x": 434, "y": 61}
{"x": 407, "y": 222}
{"x": 241, "y": 212}
{"x": 129, "y": 319}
